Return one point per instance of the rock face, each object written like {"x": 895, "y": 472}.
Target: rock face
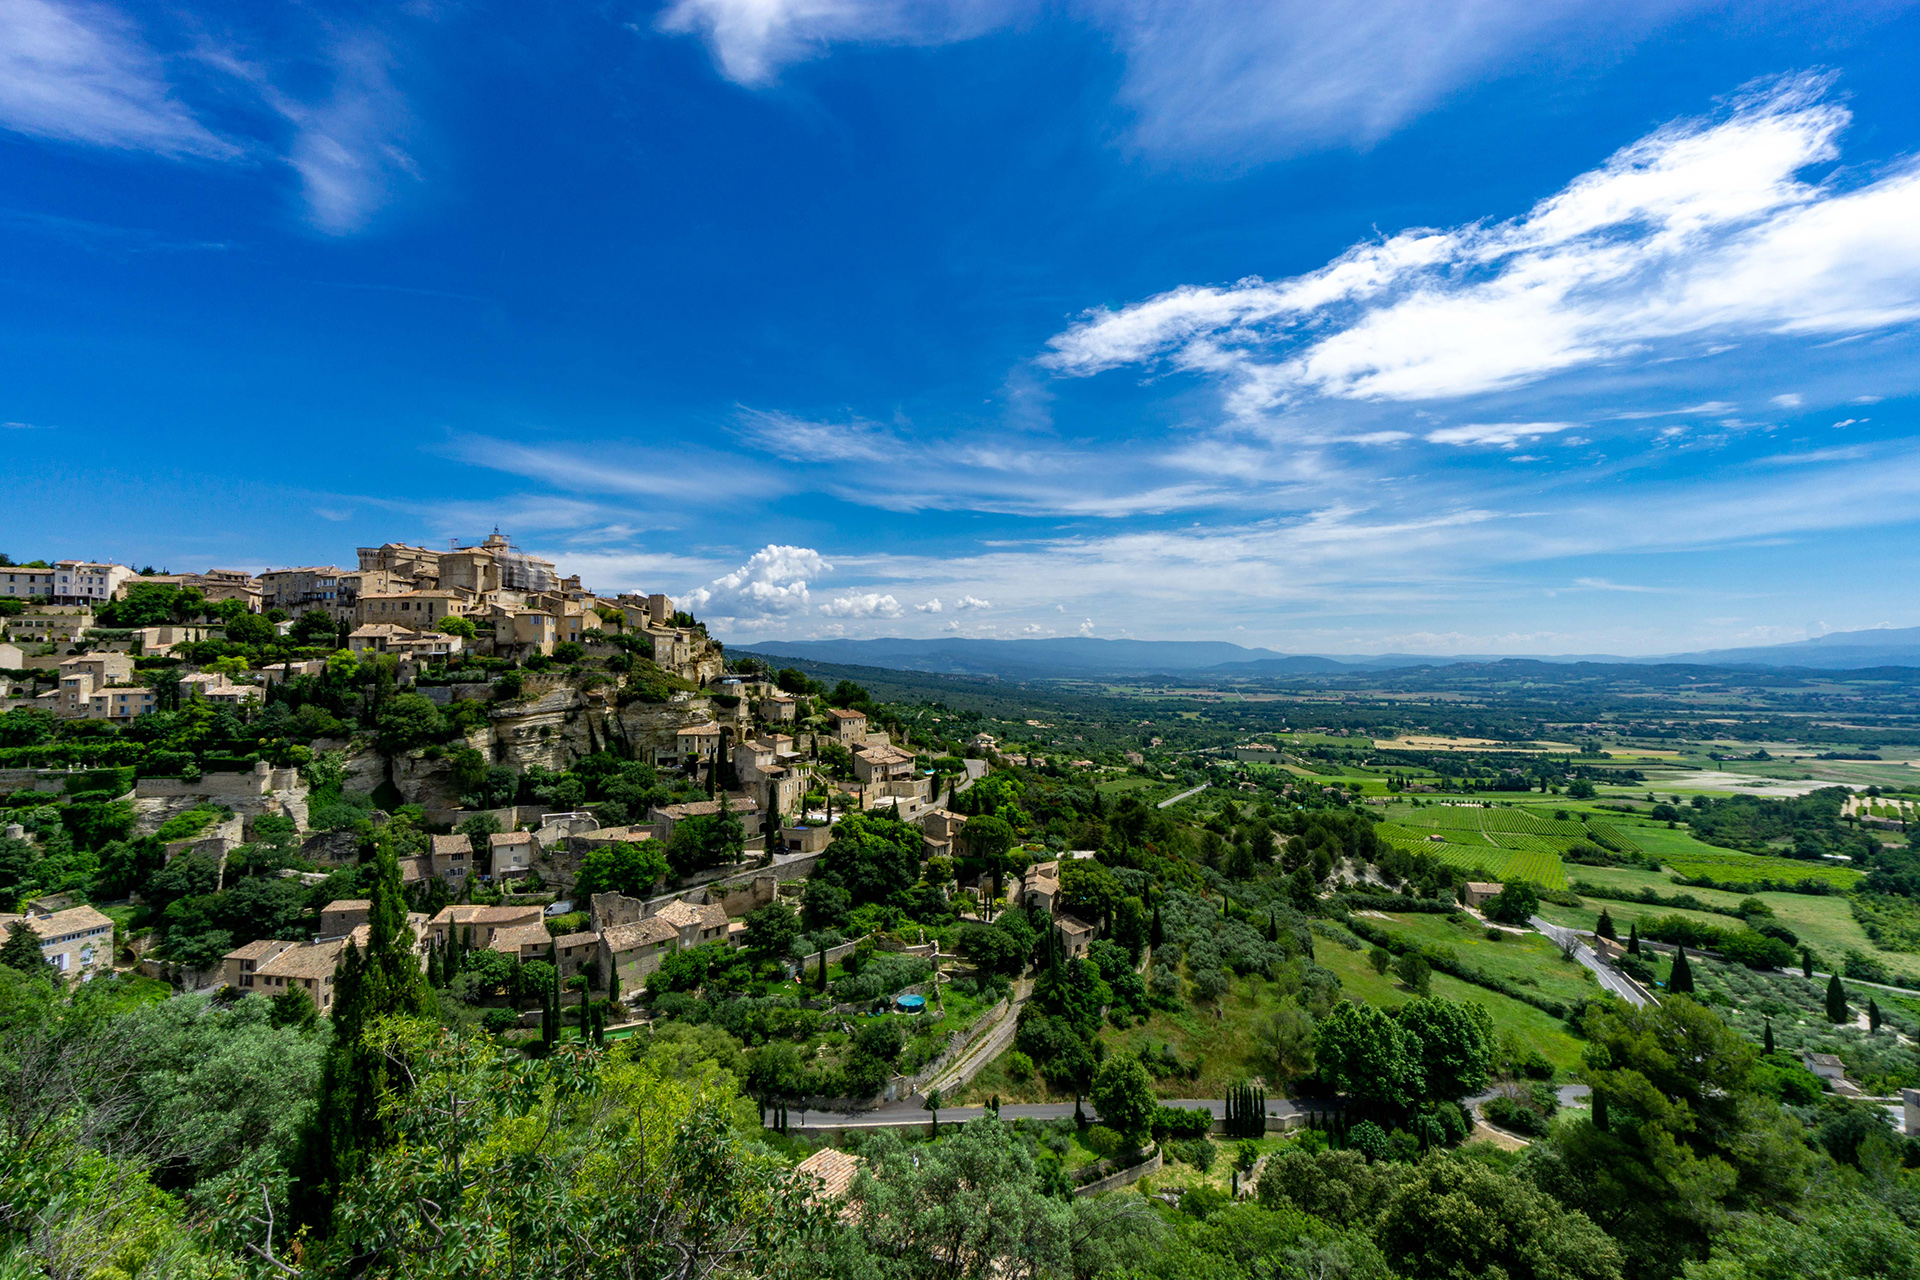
{"x": 552, "y": 728}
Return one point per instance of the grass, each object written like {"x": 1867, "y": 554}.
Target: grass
{"x": 1824, "y": 922}
{"x": 1528, "y": 960}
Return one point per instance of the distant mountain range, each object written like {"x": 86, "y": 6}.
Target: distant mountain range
{"x": 1084, "y": 657}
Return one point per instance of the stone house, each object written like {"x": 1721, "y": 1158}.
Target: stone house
{"x": 1076, "y": 937}
{"x": 636, "y": 950}
{"x": 415, "y": 610}
{"x": 342, "y": 916}
{"x": 511, "y": 854}
{"x": 479, "y": 924}
{"x": 239, "y": 967}
{"x": 695, "y": 924}
{"x": 310, "y": 967}
{"x": 882, "y": 764}
{"x": 849, "y": 727}
{"x": 1478, "y": 893}
{"x": 77, "y": 942}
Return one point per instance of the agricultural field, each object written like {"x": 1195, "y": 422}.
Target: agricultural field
{"x": 1882, "y": 1061}
{"x": 1527, "y": 960}
{"x": 1824, "y": 922}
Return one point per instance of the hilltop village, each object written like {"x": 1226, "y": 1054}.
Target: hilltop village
{"x": 379, "y": 921}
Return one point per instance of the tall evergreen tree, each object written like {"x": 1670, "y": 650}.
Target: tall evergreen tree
{"x": 1604, "y": 927}
{"x": 1633, "y": 939}
{"x": 384, "y": 981}
{"x": 821, "y": 982}
{"x": 436, "y": 973}
{"x": 1837, "y": 1010}
{"x": 22, "y": 951}
{"x": 1766, "y": 1038}
{"x": 1806, "y": 962}
{"x": 613, "y": 985}
{"x": 1157, "y": 935}
{"x": 1600, "y": 1117}
{"x": 1873, "y": 1014}
{"x": 1680, "y": 981}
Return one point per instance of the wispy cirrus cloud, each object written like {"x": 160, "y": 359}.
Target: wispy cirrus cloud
{"x": 83, "y": 73}
{"x": 1705, "y": 227}
{"x": 1505, "y": 435}
{"x": 1218, "y": 78}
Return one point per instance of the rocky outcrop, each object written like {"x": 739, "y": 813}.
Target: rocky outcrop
{"x": 553, "y": 727}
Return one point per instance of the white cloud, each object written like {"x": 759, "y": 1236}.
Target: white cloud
{"x": 1213, "y": 77}
{"x": 799, "y": 440}
{"x": 1602, "y": 584}
{"x": 350, "y": 150}
{"x": 1703, "y": 227}
{"x": 1788, "y": 401}
{"x": 972, "y": 602}
{"x": 83, "y": 73}
{"x": 772, "y": 582}
{"x": 1507, "y": 435}
{"x": 871, "y": 604}
{"x": 931, "y": 606}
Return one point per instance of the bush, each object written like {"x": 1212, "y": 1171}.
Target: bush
{"x": 1182, "y": 1122}
{"x": 1453, "y": 1121}
{"x": 1203, "y": 1201}
{"x": 1199, "y": 1152}
{"x": 1370, "y": 1140}
{"x": 1514, "y": 1116}
{"x": 1018, "y": 1066}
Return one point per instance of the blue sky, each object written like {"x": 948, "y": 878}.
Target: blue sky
{"x": 1462, "y": 326}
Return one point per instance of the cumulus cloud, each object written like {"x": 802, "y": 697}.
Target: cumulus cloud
{"x": 1506, "y": 435}
{"x": 1704, "y": 227}
{"x": 870, "y": 604}
{"x": 773, "y": 582}
{"x": 972, "y": 602}
{"x": 931, "y": 606}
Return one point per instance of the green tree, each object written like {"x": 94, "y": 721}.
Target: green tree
{"x": 1361, "y": 1051}
{"x": 1458, "y": 1218}
{"x": 706, "y": 840}
{"x": 1603, "y": 928}
{"x": 1837, "y": 1010}
{"x": 1680, "y": 978}
{"x": 1453, "y": 1044}
{"x": 22, "y": 951}
{"x": 1516, "y": 903}
{"x": 251, "y": 629}
{"x": 873, "y": 857}
{"x": 313, "y": 629}
{"x": 1414, "y": 971}
{"x": 385, "y": 982}
{"x": 1688, "y": 1140}
{"x": 408, "y": 720}
{"x": 1285, "y": 1036}
{"x": 1123, "y": 1093}
{"x": 772, "y": 931}
{"x": 1381, "y": 959}
{"x": 630, "y": 867}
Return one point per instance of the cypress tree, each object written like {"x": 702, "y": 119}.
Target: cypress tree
{"x": 1600, "y": 1118}
{"x": 1604, "y": 928}
{"x": 613, "y": 985}
{"x": 1837, "y": 1010}
{"x": 1633, "y": 939}
{"x": 1680, "y": 981}
{"x": 1766, "y": 1038}
{"x": 384, "y": 981}
{"x": 436, "y": 975}
{"x": 1273, "y": 927}
{"x": 1873, "y": 1015}
{"x": 1157, "y": 936}
{"x": 1806, "y": 962}
{"x": 586, "y": 1012}
{"x": 820, "y": 984}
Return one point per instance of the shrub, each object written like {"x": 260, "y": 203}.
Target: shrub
{"x": 1514, "y": 1116}
{"x": 1019, "y": 1066}
{"x": 1370, "y": 1140}
{"x": 1453, "y": 1121}
{"x": 1203, "y": 1201}
{"x": 1199, "y": 1152}
{"x": 1102, "y": 1141}
{"x": 1182, "y": 1122}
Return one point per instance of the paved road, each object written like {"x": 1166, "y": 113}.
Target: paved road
{"x": 1609, "y": 977}
{"x": 1168, "y": 804}
{"x": 912, "y": 1110}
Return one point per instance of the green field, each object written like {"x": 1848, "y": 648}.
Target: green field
{"x": 1527, "y": 960}
{"x": 1505, "y": 848}
{"x": 1824, "y": 922}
